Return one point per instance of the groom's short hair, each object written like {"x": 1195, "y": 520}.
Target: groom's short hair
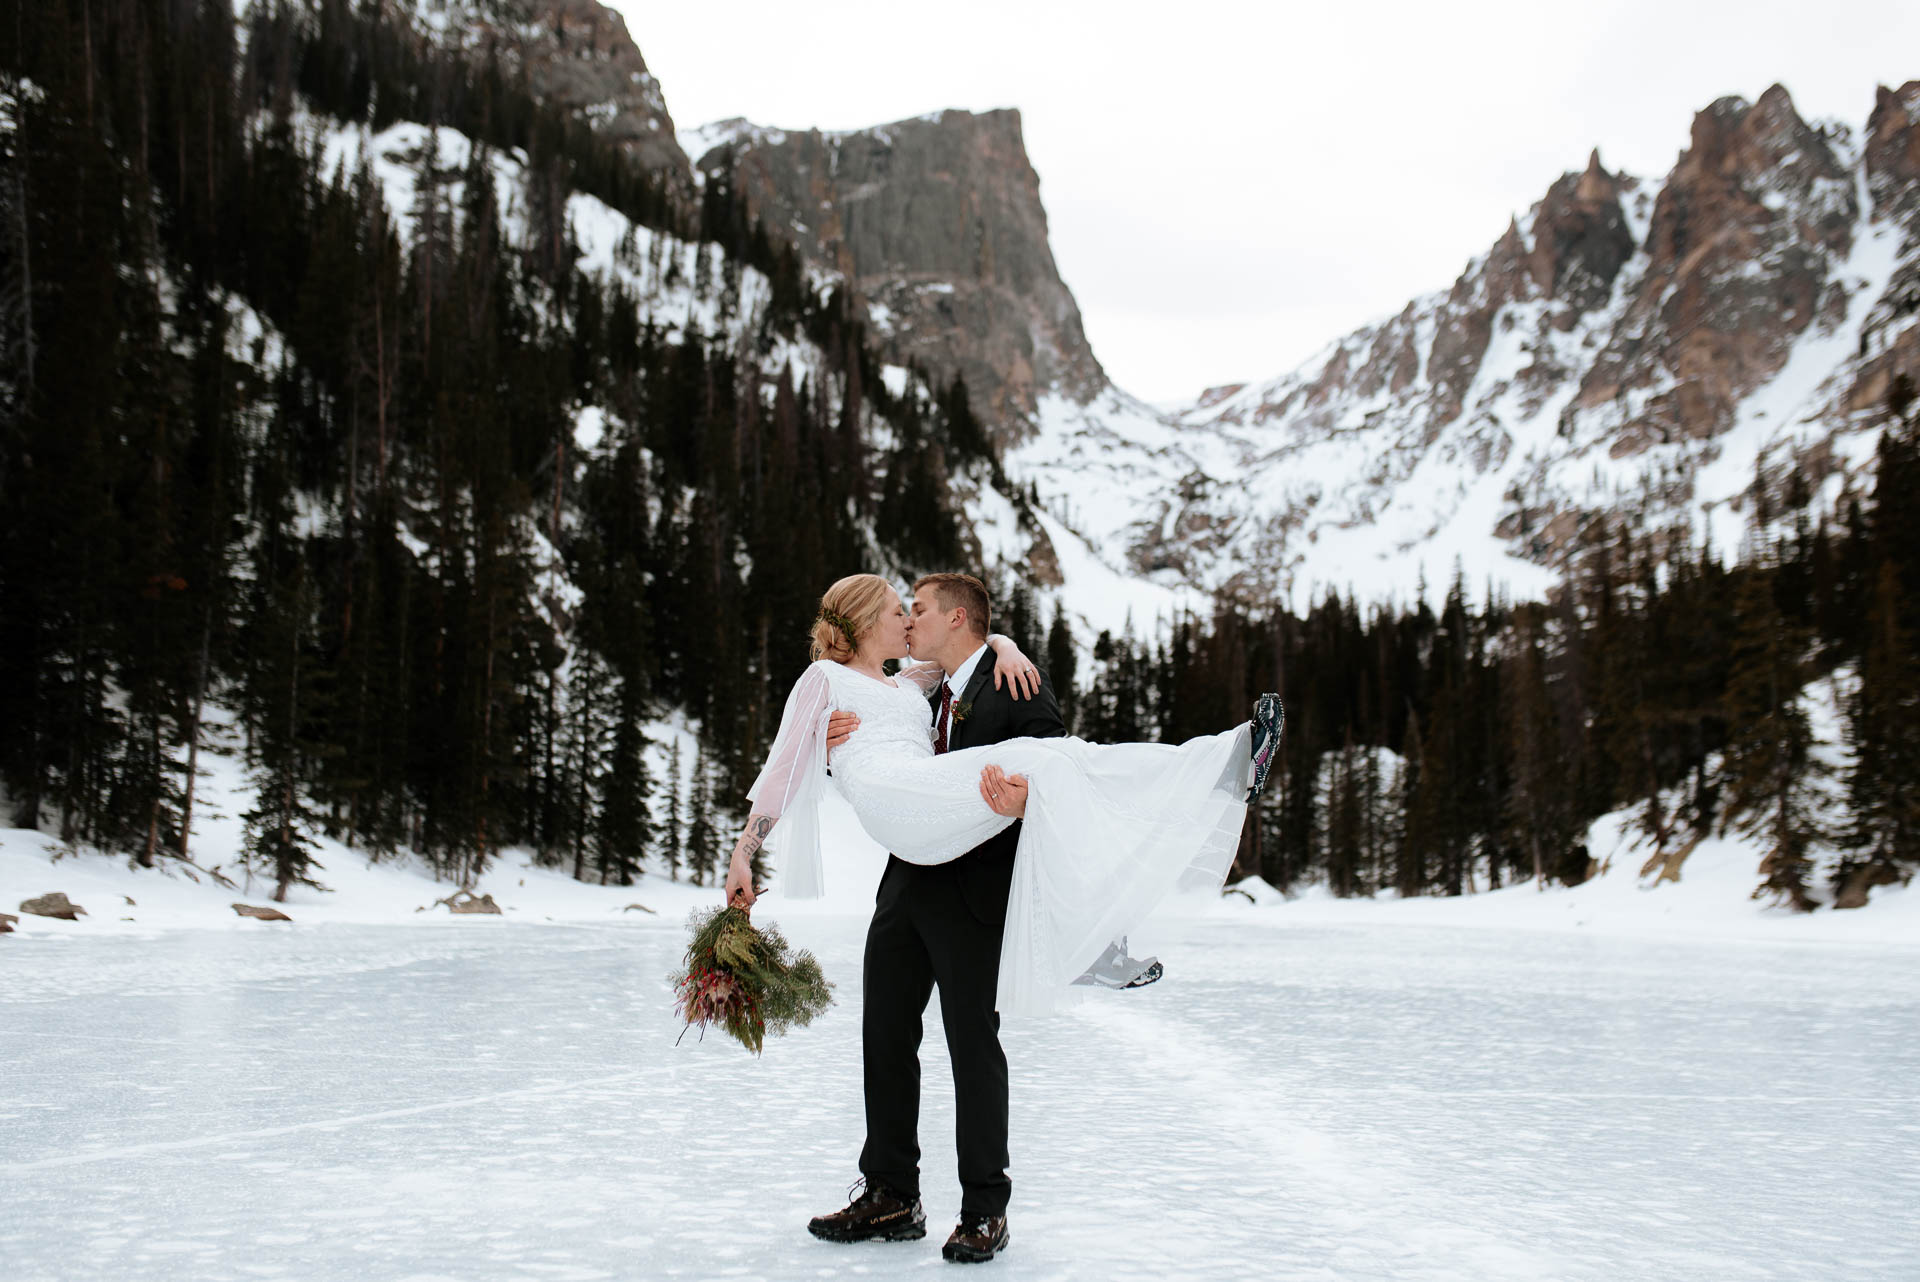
{"x": 960, "y": 592}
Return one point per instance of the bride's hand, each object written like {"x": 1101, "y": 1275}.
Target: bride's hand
{"x": 740, "y": 883}
{"x": 1014, "y": 668}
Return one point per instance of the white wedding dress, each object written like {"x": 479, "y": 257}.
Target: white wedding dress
{"x": 1109, "y": 831}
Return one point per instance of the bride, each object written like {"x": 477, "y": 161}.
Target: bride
{"x": 1109, "y": 830}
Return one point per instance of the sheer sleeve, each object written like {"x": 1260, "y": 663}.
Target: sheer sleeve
{"x": 924, "y": 675}
{"x": 790, "y": 784}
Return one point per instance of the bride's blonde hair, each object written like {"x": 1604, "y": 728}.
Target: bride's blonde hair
{"x": 848, "y": 611}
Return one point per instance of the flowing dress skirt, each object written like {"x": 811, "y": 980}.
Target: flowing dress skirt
{"x": 1110, "y": 831}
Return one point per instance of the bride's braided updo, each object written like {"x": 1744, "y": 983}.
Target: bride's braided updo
{"x": 848, "y": 611}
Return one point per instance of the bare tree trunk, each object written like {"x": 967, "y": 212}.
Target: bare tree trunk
{"x": 193, "y": 731}
{"x": 559, "y": 466}
{"x": 26, "y": 244}
{"x": 486, "y": 746}
{"x": 86, "y": 42}
{"x": 353, "y": 517}
{"x": 382, "y": 391}
{"x": 286, "y": 778}
{"x": 580, "y": 808}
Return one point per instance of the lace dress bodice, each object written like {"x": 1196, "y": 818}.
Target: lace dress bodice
{"x": 895, "y": 723}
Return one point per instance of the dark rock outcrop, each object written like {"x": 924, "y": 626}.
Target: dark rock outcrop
{"x": 1580, "y": 241}
{"x": 53, "y": 905}
{"x": 1860, "y": 883}
{"x": 1889, "y": 341}
{"x": 1745, "y": 235}
{"x": 937, "y": 224}
{"x": 579, "y": 57}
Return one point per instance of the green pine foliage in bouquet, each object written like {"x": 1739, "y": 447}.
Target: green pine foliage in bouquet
{"x": 744, "y": 979}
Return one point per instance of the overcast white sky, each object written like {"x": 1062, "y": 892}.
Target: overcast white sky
{"x": 1229, "y": 186}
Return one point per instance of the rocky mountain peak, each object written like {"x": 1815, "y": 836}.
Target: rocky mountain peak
{"x": 936, "y": 223}
{"x": 1893, "y": 150}
{"x": 1581, "y": 240}
{"x": 1756, "y": 186}
{"x": 1596, "y": 186}
{"x": 580, "y": 57}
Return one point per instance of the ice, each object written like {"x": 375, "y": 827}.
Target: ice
{"x": 1381, "y": 1097}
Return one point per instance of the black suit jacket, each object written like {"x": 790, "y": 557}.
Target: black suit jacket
{"x": 993, "y": 716}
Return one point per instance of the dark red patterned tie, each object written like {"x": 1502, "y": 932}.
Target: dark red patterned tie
{"x": 946, "y": 706}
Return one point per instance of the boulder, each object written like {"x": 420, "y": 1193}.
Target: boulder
{"x": 6, "y": 922}
{"x": 465, "y": 901}
{"x": 261, "y": 914}
{"x": 53, "y": 905}
{"x": 1854, "y": 889}
{"x": 1667, "y": 862}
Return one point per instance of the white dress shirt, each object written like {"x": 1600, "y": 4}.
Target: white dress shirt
{"x": 964, "y": 673}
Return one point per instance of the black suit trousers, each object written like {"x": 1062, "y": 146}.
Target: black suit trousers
{"x": 924, "y": 934}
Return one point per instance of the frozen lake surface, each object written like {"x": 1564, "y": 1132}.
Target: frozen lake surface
{"x": 488, "y": 1099}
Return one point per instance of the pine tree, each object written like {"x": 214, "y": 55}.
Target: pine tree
{"x": 703, "y": 838}
{"x": 1345, "y": 822}
{"x": 1063, "y": 662}
{"x": 625, "y": 828}
{"x": 1771, "y": 776}
{"x": 1883, "y": 715}
{"x": 1536, "y": 811}
{"x": 673, "y": 831}
{"x": 1883, "y": 730}
{"x": 281, "y": 825}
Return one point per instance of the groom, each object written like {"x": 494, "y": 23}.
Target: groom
{"x": 941, "y": 925}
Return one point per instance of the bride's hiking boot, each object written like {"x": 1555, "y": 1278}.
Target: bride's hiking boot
{"x": 875, "y": 1214}
{"x": 1268, "y": 716}
{"x": 976, "y": 1239}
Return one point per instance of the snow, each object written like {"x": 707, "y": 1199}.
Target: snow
{"x": 1100, "y": 599}
{"x": 589, "y": 427}
{"x": 1318, "y": 1089}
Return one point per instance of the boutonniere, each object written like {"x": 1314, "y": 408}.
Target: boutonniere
{"x": 960, "y": 711}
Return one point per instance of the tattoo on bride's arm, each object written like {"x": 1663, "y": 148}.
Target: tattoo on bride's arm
{"x": 756, "y": 834}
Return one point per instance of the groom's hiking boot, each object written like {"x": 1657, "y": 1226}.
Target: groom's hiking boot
{"x": 1268, "y": 716}
{"x": 976, "y": 1239}
{"x": 874, "y": 1215}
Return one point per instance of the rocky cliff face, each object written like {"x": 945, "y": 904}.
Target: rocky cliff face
{"x": 1747, "y": 237}
{"x": 1889, "y": 339}
{"x": 579, "y": 56}
{"x": 937, "y": 225}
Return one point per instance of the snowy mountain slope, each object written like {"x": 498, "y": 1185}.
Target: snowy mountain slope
{"x": 1627, "y": 349}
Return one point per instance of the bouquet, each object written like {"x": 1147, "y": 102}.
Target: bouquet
{"x": 743, "y": 979}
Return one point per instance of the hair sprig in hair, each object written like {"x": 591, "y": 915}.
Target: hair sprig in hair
{"x": 841, "y": 622}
